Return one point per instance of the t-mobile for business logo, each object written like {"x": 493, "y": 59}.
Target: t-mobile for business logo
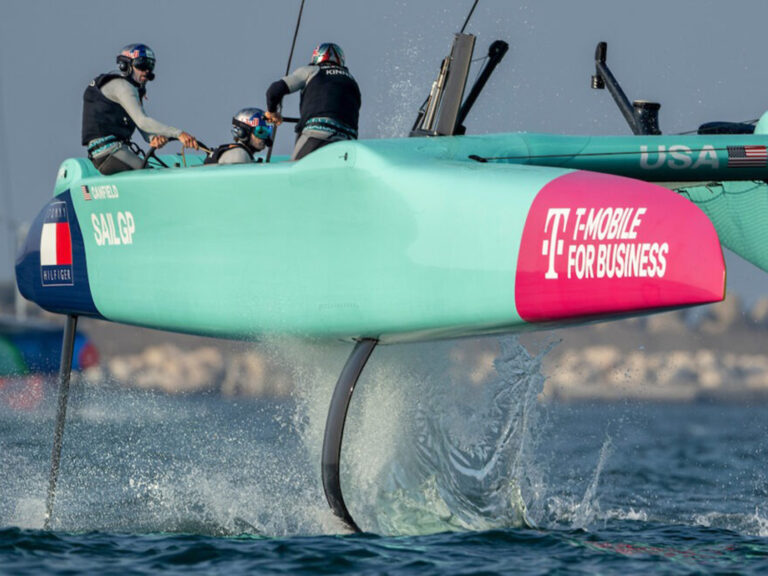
{"x": 554, "y": 246}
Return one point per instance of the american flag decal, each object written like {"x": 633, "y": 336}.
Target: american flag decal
{"x": 747, "y": 156}
{"x": 86, "y": 193}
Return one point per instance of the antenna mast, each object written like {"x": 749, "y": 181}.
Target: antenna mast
{"x": 468, "y": 17}
{"x": 288, "y": 70}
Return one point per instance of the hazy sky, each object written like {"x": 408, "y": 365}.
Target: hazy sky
{"x": 702, "y": 59}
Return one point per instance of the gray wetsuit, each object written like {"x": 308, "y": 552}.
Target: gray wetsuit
{"x": 122, "y": 92}
{"x": 322, "y": 129}
{"x": 235, "y": 156}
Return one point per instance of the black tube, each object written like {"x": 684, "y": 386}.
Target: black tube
{"x": 600, "y": 55}
{"x": 647, "y": 117}
{"x": 496, "y": 52}
{"x": 607, "y": 79}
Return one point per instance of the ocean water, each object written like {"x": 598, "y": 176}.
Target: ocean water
{"x": 447, "y": 472}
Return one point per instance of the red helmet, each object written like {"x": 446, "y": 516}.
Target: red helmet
{"x": 328, "y": 52}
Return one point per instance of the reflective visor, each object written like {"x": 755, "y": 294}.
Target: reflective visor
{"x": 262, "y": 132}
{"x": 144, "y": 64}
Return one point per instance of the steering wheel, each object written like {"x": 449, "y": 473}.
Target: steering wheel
{"x": 151, "y": 153}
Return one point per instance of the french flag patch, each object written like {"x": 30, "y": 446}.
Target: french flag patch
{"x": 56, "y": 247}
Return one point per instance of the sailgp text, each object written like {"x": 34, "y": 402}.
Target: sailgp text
{"x": 109, "y": 230}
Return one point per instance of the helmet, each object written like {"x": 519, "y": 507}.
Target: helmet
{"x": 251, "y": 121}
{"x": 139, "y": 56}
{"x": 328, "y": 52}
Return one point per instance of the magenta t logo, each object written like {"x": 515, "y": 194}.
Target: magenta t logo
{"x": 554, "y": 246}
{"x": 630, "y": 246}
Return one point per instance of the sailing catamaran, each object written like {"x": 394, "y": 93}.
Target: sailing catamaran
{"x": 441, "y": 235}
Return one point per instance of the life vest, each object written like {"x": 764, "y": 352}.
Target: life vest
{"x": 103, "y": 117}
{"x": 213, "y": 157}
{"x": 331, "y": 93}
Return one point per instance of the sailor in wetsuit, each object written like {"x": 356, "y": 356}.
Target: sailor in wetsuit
{"x": 251, "y": 133}
{"x": 330, "y": 100}
{"x": 112, "y": 110}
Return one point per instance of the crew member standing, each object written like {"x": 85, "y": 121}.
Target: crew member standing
{"x": 330, "y": 100}
{"x": 113, "y": 109}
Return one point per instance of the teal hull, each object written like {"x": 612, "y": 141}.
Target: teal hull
{"x": 336, "y": 250}
{"x": 394, "y": 239}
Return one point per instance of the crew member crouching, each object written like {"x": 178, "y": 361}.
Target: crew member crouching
{"x": 251, "y": 134}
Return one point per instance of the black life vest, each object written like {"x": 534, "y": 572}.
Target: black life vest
{"x": 103, "y": 117}
{"x": 213, "y": 157}
{"x": 331, "y": 93}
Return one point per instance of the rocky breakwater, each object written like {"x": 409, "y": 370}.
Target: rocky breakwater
{"x": 607, "y": 373}
{"x": 718, "y": 352}
{"x": 171, "y": 369}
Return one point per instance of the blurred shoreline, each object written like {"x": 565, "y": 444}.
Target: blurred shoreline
{"x": 716, "y": 352}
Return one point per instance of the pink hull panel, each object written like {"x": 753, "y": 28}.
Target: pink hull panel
{"x": 596, "y": 244}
